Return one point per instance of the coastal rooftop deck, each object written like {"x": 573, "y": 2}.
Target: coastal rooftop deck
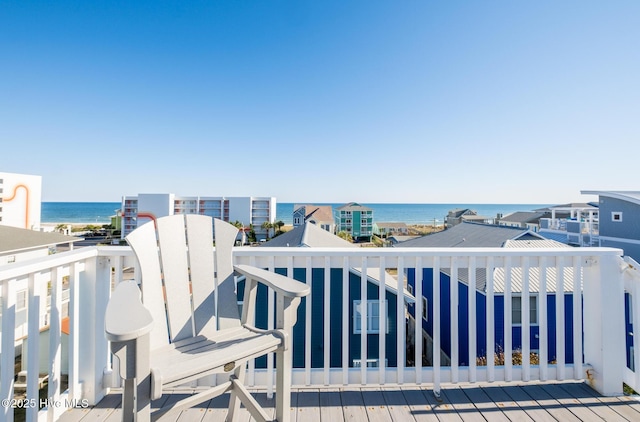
{"x": 534, "y": 401}
{"x": 606, "y": 299}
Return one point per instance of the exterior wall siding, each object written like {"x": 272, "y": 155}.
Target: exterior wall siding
{"x": 318, "y": 320}
{"x": 628, "y": 228}
{"x": 481, "y": 326}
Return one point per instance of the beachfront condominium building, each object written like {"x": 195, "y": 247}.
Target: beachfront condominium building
{"x": 20, "y": 200}
{"x": 249, "y": 210}
{"x": 355, "y": 219}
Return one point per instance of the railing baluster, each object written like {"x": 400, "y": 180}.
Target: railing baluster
{"x": 526, "y": 321}
{"x": 327, "y": 319}
{"x": 33, "y": 341}
{"x": 75, "y": 391}
{"x": 251, "y": 364}
{"x": 307, "y": 331}
{"x": 471, "y": 319}
{"x": 508, "y": 323}
{"x": 453, "y": 282}
{"x": 7, "y": 359}
{"x": 635, "y": 320}
{"x": 345, "y": 320}
{"x": 560, "y": 331}
{"x": 401, "y": 344}
{"x": 577, "y": 318}
{"x": 543, "y": 321}
{"x": 417, "y": 335}
{"x": 436, "y": 325}
{"x": 363, "y": 322}
{"x": 55, "y": 352}
{"x": 382, "y": 311}
{"x": 490, "y": 321}
{"x": 271, "y": 298}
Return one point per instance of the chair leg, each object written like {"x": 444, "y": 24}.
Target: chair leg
{"x": 128, "y": 400}
{"x": 234, "y": 401}
{"x": 284, "y": 367}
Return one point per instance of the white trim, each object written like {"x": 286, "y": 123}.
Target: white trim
{"x": 619, "y": 239}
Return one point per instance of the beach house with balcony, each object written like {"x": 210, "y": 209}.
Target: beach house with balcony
{"x": 386, "y": 229}
{"x": 249, "y": 210}
{"x": 320, "y": 215}
{"x": 312, "y": 236}
{"x": 459, "y": 215}
{"x": 355, "y": 219}
{"x": 575, "y": 224}
{"x": 618, "y": 221}
{"x": 460, "y": 281}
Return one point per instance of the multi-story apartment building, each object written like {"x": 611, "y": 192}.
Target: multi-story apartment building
{"x": 137, "y": 210}
{"x": 355, "y": 219}
{"x": 20, "y": 200}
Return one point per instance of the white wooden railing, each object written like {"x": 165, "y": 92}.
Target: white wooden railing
{"x": 598, "y": 283}
{"x": 631, "y": 275}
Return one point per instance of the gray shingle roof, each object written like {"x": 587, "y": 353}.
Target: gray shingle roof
{"x": 353, "y": 206}
{"x": 13, "y": 239}
{"x": 308, "y": 235}
{"x": 469, "y": 235}
{"x": 525, "y": 217}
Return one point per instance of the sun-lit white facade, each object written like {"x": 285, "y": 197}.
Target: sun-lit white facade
{"x": 248, "y": 210}
{"x": 20, "y": 200}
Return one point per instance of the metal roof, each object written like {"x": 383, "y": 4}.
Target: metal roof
{"x": 469, "y": 235}
{"x": 13, "y": 239}
{"x": 524, "y": 217}
{"x": 630, "y": 196}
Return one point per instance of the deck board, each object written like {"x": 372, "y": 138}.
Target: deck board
{"x": 486, "y": 406}
{"x": 517, "y": 397}
{"x": 419, "y": 407}
{"x": 330, "y": 405}
{"x": 375, "y": 405}
{"x": 520, "y": 402}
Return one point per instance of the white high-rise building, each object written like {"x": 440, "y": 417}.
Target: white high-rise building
{"x": 20, "y": 200}
{"x": 249, "y": 210}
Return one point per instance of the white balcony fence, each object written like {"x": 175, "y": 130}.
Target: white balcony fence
{"x": 595, "y": 277}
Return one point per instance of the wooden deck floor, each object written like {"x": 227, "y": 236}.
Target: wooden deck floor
{"x": 540, "y": 402}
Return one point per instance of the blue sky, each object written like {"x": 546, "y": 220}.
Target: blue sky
{"x": 322, "y": 101}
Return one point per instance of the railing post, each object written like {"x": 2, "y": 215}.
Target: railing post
{"x": 604, "y": 345}
{"x": 94, "y": 288}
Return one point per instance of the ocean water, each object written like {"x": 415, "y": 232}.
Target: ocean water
{"x": 99, "y": 212}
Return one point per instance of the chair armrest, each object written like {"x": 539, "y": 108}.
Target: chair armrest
{"x": 280, "y": 284}
{"x": 126, "y": 317}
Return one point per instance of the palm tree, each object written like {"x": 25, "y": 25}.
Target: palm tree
{"x": 267, "y": 226}
{"x": 278, "y": 226}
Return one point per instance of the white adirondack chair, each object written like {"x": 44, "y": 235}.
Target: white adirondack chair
{"x": 189, "y": 327}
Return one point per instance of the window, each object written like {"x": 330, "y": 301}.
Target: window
{"x": 373, "y": 317}
{"x": 516, "y": 310}
{"x": 348, "y": 221}
{"x": 296, "y": 220}
{"x": 371, "y": 363}
{"x": 21, "y": 300}
{"x": 410, "y": 288}
{"x": 616, "y": 216}
{"x": 425, "y": 309}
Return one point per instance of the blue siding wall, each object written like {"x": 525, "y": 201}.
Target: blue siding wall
{"x": 318, "y": 319}
{"x": 481, "y": 328}
{"x": 628, "y": 228}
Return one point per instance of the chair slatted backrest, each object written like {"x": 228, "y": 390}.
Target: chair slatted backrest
{"x": 177, "y": 254}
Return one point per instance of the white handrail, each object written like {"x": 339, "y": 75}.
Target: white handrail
{"x": 93, "y": 270}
